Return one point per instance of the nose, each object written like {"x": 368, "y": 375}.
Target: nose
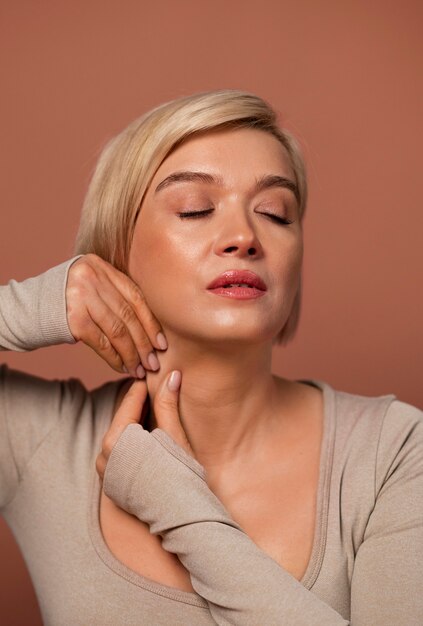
{"x": 238, "y": 237}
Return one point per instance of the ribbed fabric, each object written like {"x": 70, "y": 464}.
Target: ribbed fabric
{"x": 31, "y": 312}
{"x": 219, "y": 555}
{"x": 365, "y": 567}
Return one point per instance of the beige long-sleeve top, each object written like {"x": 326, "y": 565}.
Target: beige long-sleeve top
{"x": 366, "y": 563}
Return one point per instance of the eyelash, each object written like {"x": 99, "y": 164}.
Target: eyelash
{"x": 197, "y": 214}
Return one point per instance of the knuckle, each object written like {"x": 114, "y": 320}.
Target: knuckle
{"x": 127, "y": 313}
{"x": 106, "y": 443}
{"x": 104, "y": 343}
{"x": 149, "y": 319}
{"x": 137, "y": 294}
{"x": 118, "y": 329}
{"x": 92, "y": 258}
{"x": 99, "y": 464}
{"x": 82, "y": 271}
{"x": 166, "y": 403}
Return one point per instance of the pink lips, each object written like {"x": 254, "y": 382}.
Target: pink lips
{"x": 256, "y": 286}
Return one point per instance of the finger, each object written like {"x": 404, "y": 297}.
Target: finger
{"x": 116, "y": 333}
{"x": 94, "y": 337}
{"x": 166, "y": 409}
{"x": 133, "y": 294}
{"x": 129, "y": 412}
{"x": 100, "y": 465}
{"x": 130, "y": 409}
{"x": 124, "y": 311}
{"x": 93, "y": 273}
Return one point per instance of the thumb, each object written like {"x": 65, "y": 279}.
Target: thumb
{"x": 166, "y": 410}
{"x": 129, "y": 411}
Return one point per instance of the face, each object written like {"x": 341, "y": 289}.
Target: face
{"x": 191, "y": 229}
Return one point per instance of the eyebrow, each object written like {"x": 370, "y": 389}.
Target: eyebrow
{"x": 265, "y": 182}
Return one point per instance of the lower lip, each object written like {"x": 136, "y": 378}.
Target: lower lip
{"x": 239, "y": 293}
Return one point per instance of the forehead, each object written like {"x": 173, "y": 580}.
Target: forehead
{"x": 235, "y": 154}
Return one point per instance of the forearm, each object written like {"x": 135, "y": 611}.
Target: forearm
{"x": 33, "y": 312}
{"x": 151, "y": 477}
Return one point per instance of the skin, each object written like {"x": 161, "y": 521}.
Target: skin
{"x": 257, "y": 436}
{"x": 107, "y": 311}
{"x": 230, "y": 405}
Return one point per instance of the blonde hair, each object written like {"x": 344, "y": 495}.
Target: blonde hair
{"x": 129, "y": 161}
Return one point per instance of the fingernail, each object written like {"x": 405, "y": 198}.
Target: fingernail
{"x": 124, "y": 369}
{"x": 153, "y": 361}
{"x": 140, "y": 371}
{"x": 161, "y": 340}
{"x": 174, "y": 381}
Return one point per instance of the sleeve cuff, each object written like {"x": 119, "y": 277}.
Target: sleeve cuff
{"x": 52, "y": 304}
{"x": 137, "y": 457}
{"x": 151, "y": 477}
{"x": 167, "y": 442}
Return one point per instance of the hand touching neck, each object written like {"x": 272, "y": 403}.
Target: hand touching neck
{"x": 226, "y": 397}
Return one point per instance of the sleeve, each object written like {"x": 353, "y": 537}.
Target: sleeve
{"x": 153, "y": 478}
{"x": 33, "y": 312}
{"x": 30, "y": 408}
{"x": 32, "y": 315}
{"x": 387, "y": 584}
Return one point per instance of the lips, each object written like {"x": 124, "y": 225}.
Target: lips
{"x": 238, "y": 277}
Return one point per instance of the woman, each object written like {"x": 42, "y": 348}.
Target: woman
{"x": 220, "y": 493}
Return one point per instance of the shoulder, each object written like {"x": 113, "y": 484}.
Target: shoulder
{"x": 377, "y": 431}
{"x": 23, "y": 388}
{"x": 28, "y": 400}
{"x": 400, "y": 447}
{"x": 33, "y": 409}
{"x": 385, "y": 411}
{"x": 13, "y": 381}
{"x": 20, "y": 391}
{"x": 401, "y": 414}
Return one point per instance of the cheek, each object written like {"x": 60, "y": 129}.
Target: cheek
{"x": 162, "y": 262}
{"x": 290, "y": 261}
{"x": 146, "y": 251}
{"x": 296, "y": 263}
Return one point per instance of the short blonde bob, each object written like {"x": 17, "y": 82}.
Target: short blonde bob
{"x": 129, "y": 161}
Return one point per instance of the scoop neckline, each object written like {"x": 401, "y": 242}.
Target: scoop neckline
{"x": 322, "y": 505}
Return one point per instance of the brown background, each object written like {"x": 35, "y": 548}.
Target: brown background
{"x": 346, "y": 78}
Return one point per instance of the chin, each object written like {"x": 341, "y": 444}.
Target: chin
{"x": 231, "y": 334}
{"x": 200, "y": 325}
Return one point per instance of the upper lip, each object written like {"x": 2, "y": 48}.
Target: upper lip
{"x": 238, "y": 276}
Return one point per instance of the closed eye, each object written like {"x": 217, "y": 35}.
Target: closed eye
{"x": 277, "y": 218}
{"x": 197, "y": 214}
{"x": 194, "y": 213}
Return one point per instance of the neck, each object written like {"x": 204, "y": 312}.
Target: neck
{"x": 225, "y": 400}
